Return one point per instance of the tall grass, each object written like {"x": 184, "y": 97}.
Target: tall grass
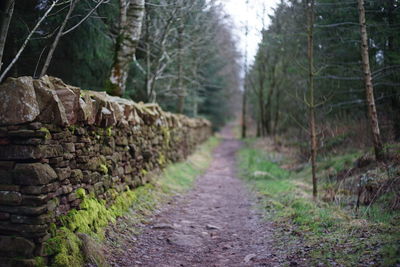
{"x": 334, "y": 235}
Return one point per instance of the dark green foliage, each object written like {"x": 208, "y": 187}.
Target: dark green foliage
{"x": 83, "y": 57}
{"x": 338, "y": 78}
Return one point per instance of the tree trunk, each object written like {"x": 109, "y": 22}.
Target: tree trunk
{"x": 58, "y": 37}
{"x": 268, "y": 108}
{"x": 369, "y": 89}
{"x": 130, "y": 25}
{"x": 261, "y": 73}
{"x": 181, "y": 90}
{"x": 7, "y": 9}
{"x": 258, "y": 130}
{"x": 276, "y": 119}
{"x": 148, "y": 59}
{"x": 244, "y": 102}
{"x": 310, "y": 55}
{"x": 268, "y": 104}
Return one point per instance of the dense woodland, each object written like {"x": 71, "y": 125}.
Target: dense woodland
{"x": 324, "y": 88}
{"x": 320, "y": 101}
{"x": 185, "y": 59}
{"x": 278, "y": 81}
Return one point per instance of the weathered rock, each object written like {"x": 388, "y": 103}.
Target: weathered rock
{"x": 16, "y": 246}
{"x": 10, "y": 198}
{"x": 17, "y": 262}
{"x": 52, "y": 204}
{"x": 34, "y": 200}
{"x": 9, "y": 187}
{"x": 69, "y": 97}
{"x": 18, "y": 101}
{"x": 7, "y": 165}
{"x": 42, "y": 219}
{"x": 51, "y": 108}
{"x": 163, "y": 226}
{"x": 4, "y": 216}
{"x": 87, "y": 110}
{"x": 184, "y": 240}
{"x": 26, "y": 230}
{"x": 70, "y": 147}
{"x": 25, "y": 133}
{"x": 34, "y": 190}
{"x": 104, "y": 112}
{"x": 30, "y": 141}
{"x": 24, "y": 210}
{"x": 33, "y": 174}
{"x": 63, "y": 173}
{"x": 12, "y": 152}
{"x": 6, "y": 177}
{"x": 113, "y": 146}
{"x": 212, "y": 227}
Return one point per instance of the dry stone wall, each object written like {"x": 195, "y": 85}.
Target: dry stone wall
{"x": 56, "y": 139}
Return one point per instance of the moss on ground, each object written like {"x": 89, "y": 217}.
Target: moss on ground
{"x": 94, "y": 215}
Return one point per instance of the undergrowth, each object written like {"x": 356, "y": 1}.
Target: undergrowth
{"x": 324, "y": 233}
{"x": 94, "y": 215}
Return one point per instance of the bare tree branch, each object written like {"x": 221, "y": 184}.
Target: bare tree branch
{"x": 27, "y": 40}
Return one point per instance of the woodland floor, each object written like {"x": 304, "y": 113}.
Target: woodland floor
{"x": 214, "y": 224}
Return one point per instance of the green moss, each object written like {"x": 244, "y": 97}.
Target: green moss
{"x": 91, "y": 219}
{"x": 109, "y": 131}
{"x": 166, "y": 134}
{"x": 53, "y": 229}
{"x": 65, "y": 247}
{"x": 72, "y": 128}
{"x": 46, "y": 131}
{"x": 94, "y": 215}
{"x": 143, "y": 171}
{"x": 100, "y": 131}
{"x": 103, "y": 168}
{"x": 161, "y": 159}
{"x": 40, "y": 262}
{"x": 332, "y": 232}
{"x": 81, "y": 193}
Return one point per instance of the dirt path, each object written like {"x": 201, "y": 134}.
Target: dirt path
{"x": 212, "y": 225}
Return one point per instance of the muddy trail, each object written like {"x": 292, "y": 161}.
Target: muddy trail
{"x": 214, "y": 224}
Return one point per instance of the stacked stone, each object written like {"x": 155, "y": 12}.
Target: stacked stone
{"x": 56, "y": 139}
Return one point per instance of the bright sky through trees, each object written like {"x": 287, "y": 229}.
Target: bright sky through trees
{"x": 253, "y": 15}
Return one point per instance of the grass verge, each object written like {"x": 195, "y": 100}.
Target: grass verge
{"x": 77, "y": 240}
{"x": 314, "y": 232}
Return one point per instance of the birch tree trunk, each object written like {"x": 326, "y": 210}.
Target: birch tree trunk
{"x": 130, "y": 25}
{"x": 310, "y": 55}
{"x": 369, "y": 89}
{"x": 7, "y": 9}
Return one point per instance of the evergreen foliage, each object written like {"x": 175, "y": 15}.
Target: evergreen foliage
{"x": 206, "y": 73}
{"x": 339, "y": 85}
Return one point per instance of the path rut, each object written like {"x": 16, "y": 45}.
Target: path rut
{"x": 214, "y": 224}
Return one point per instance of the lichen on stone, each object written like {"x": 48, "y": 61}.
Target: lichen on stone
{"x": 46, "y": 131}
{"x": 103, "y": 168}
{"x": 72, "y": 129}
{"x": 109, "y": 131}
